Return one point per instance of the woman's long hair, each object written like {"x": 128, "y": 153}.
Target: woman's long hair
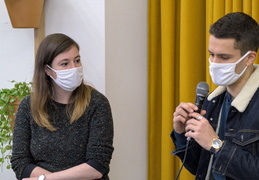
{"x": 42, "y": 90}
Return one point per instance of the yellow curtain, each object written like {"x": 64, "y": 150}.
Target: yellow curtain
{"x": 177, "y": 62}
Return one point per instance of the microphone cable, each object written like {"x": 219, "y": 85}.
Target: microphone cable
{"x": 202, "y": 90}
{"x": 184, "y": 158}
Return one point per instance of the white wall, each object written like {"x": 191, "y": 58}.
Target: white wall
{"x": 83, "y": 20}
{"x": 17, "y": 50}
{"x": 16, "y": 59}
{"x": 126, "y": 85}
{"x": 113, "y": 39}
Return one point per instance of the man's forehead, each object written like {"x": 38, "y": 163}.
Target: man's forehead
{"x": 223, "y": 46}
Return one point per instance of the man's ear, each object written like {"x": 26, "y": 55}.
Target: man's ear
{"x": 251, "y": 58}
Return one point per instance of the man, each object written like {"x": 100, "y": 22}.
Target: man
{"x": 225, "y": 135}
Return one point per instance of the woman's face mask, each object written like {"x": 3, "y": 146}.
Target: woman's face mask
{"x": 223, "y": 74}
{"x": 68, "y": 79}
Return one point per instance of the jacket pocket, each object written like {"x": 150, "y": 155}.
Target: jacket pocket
{"x": 246, "y": 136}
{"x": 248, "y": 139}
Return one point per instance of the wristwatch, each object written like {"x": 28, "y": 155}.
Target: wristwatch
{"x": 216, "y": 145}
{"x": 41, "y": 177}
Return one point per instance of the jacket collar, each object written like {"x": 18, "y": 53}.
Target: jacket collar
{"x": 245, "y": 95}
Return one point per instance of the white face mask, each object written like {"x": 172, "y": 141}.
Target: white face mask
{"x": 223, "y": 74}
{"x": 68, "y": 79}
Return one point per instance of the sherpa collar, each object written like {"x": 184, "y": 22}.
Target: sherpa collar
{"x": 245, "y": 95}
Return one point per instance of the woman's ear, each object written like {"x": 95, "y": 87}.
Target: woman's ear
{"x": 47, "y": 70}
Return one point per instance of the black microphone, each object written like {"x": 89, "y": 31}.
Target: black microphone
{"x": 202, "y": 90}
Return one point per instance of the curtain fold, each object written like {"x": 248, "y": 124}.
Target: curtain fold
{"x": 177, "y": 62}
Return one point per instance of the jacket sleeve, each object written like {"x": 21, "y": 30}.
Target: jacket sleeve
{"x": 193, "y": 152}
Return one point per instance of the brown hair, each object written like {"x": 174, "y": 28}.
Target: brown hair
{"x": 42, "y": 91}
{"x": 239, "y": 26}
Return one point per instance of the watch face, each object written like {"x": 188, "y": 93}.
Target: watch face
{"x": 217, "y": 143}
{"x": 41, "y": 177}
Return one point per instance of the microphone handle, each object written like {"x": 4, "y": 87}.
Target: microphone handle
{"x": 199, "y": 101}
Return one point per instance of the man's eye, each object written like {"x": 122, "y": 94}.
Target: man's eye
{"x": 64, "y": 64}
{"x": 224, "y": 57}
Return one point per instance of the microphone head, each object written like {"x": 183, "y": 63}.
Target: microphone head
{"x": 202, "y": 89}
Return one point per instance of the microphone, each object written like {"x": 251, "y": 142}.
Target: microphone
{"x": 202, "y": 90}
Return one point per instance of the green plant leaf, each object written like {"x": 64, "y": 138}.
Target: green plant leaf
{"x": 7, "y": 98}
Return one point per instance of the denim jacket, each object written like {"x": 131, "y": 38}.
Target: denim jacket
{"x": 238, "y": 158}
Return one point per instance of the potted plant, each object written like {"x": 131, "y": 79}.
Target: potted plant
{"x": 9, "y": 102}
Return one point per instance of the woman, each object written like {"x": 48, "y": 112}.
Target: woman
{"x": 64, "y": 129}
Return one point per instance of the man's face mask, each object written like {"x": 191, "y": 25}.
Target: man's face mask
{"x": 223, "y": 74}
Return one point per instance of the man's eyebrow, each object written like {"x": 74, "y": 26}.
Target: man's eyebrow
{"x": 209, "y": 51}
{"x": 220, "y": 54}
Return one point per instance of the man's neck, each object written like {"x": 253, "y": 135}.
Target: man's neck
{"x": 235, "y": 88}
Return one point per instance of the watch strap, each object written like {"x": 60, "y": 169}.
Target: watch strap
{"x": 213, "y": 150}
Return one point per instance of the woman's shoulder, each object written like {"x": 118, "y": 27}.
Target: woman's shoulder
{"x": 98, "y": 96}
{"x": 26, "y": 100}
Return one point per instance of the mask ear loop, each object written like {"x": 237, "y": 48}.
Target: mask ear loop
{"x": 52, "y": 88}
{"x": 241, "y": 59}
{"x": 52, "y": 70}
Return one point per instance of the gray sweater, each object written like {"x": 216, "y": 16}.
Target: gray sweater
{"x": 87, "y": 140}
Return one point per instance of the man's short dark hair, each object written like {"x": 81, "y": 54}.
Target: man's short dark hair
{"x": 240, "y": 26}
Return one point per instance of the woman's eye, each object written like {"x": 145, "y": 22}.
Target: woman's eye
{"x": 78, "y": 60}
